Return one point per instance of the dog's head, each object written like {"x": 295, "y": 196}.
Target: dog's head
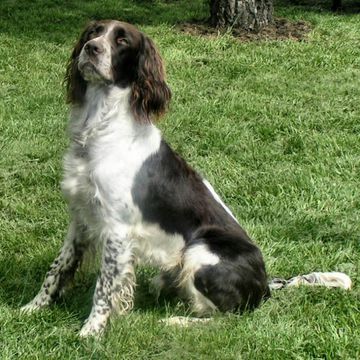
{"x": 117, "y": 53}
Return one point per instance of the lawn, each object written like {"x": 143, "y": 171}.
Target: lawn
{"x": 275, "y": 128}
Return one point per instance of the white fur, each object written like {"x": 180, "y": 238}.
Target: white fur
{"x": 98, "y": 184}
{"x": 194, "y": 258}
{"x": 218, "y": 199}
{"x": 156, "y": 247}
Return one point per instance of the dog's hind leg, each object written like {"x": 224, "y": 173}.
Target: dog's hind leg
{"x": 63, "y": 268}
{"x": 223, "y": 271}
{"x": 166, "y": 283}
{"x": 195, "y": 258}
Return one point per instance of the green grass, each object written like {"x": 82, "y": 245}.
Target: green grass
{"x": 274, "y": 126}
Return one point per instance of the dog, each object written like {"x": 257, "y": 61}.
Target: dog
{"x": 130, "y": 193}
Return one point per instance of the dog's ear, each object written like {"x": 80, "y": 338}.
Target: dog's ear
{"x": 75, "y": 84}
{"x": 150, "y": 94}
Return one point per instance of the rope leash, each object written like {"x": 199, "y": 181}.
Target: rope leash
{"x": 327, "y": 279}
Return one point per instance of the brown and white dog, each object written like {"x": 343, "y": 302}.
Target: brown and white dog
{"x": 130, "y": 192}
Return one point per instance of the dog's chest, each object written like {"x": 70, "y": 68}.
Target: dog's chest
{"x": 98, "y": 177}
{"x": 100, "y": 192}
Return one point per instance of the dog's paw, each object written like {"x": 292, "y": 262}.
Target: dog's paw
{"x": 35, "y": 304}
{"x": 29, "y": 308}
{"x": 92, "y": 329}
{"x": 156, "y": 285}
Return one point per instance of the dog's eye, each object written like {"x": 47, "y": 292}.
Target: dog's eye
{"x": 121, "y": 41}
{"x": 97, "y": 30}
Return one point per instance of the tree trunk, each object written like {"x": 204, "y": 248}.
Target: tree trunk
{"x": 250, "y": 15}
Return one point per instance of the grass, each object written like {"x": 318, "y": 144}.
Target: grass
{"x": 275, "y": 128}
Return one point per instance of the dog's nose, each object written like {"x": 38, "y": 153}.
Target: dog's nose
{"x": 92, "y": 48}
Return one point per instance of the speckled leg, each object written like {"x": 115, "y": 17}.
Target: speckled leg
{"x": 114, "y": 288}
{"x": 62, "y": 270}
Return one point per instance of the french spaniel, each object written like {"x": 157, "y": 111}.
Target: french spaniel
{"x": 130, "y": 193}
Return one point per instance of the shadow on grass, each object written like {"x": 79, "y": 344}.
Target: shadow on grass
{"x": 21, "y": 280}
{"x": 59, "y": 21}
{"x": 321, "y": 6}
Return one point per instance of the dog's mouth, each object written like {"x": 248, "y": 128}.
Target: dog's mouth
{"x": 91, "y": 72}
{"x": 87, "y": 67}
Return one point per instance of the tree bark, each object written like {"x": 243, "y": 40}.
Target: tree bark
{"x": 250, "y": 15}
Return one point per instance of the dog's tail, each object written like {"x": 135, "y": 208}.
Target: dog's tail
{"x": 327, "y": 279}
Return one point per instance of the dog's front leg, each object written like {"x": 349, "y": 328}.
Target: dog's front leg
{"x": 115, "y": 285}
